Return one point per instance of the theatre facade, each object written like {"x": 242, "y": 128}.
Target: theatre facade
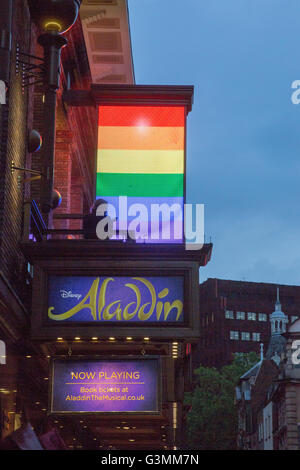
{"x": 99, "y": 298}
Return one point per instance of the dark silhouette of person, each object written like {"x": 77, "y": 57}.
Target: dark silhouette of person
{"x": 91, "y": 220}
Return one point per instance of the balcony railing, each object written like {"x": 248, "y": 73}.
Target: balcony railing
{"x": 35, "y": 233}
{"x": 35, "y": 229}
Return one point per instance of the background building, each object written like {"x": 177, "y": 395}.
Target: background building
{"x": 235, "y": 317}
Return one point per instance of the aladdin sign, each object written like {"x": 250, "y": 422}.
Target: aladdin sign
{"x": 113, "y": 385}
{"x": 115, "y": 299}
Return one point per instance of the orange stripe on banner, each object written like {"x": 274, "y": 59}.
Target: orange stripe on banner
{"x": 153, "y": 116}
{"x": 141, "y": 138}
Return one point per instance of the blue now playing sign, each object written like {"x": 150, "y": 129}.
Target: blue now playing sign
{"x": 115, "y": 299}
{"x": 122, "y": 386}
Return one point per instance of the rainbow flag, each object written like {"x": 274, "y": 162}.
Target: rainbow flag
{"x": 141, "y": 155}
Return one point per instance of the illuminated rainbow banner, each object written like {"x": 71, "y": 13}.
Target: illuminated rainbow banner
{"x": 105, "y": 386}
{"x": 115, "y": 299}
{"x": 141, "y": 155}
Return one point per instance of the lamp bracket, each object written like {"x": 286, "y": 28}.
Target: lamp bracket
{"x": 13, "y": 167}
{"x": 31, "y": 67}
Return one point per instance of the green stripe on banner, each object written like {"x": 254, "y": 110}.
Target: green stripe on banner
{"x": 139, "y": 185}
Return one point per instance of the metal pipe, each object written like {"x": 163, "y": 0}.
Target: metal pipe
{"x": 52, "y": 44}
{"x": 48, "y": 150}
{"x": 5, "y": 38}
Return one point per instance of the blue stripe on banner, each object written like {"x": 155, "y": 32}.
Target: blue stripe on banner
{"x": 161, "y": 217}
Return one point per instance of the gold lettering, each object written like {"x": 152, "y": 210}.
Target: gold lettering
{"x": 101, "y": 301}
{"x": 160, "y": 305}
{"x": 126, "y": 315}
{"x": 168, "y": 307}
{"x": 118, "y": 312}
{"x": 92, "y": 295}
{"x": 90, "y": 302}
{"x": 163, "y": 293}
{"x": 142, "y": 315}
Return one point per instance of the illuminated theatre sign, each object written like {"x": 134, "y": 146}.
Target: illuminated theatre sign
{"x": 115, "y": 299}
{"x": 106, "y": 386}
{"x": 87, "y": 288}
{"x": 141, "y": 160}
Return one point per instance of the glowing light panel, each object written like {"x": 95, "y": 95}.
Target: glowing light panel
{"x": 141, "y": 155}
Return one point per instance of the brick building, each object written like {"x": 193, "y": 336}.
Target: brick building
{"x": 97, "y": 69}
{"x": 23, "y": 381}
{"x": 235, "y": 317}
{"x": 267, "y": 396}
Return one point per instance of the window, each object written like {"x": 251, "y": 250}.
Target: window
{"x": 262, "y": 317}
{"x": 229, "y": 314}
{"x": 260, "y": 431}
{"x": 266, "y": 428}
{"x": 245, "y": 336}
{"x": 240, "y": 315}
{"x": 234, "y": 335}
{"x": 251, "y": 316}
{"x": 256, "y": 336}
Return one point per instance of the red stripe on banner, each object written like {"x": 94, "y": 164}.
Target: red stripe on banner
{"x": 141, "y": 116}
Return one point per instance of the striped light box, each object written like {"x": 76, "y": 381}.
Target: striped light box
{"x": 141, "y": 156}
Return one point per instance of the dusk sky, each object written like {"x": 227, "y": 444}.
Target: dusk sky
{"x": 243, "y": 141}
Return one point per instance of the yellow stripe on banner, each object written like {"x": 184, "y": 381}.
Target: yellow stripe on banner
{"x": 141, "y": 138}
{"x": 140, "y": 161}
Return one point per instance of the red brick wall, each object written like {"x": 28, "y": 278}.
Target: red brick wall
{"x": 75, "y": 144}
{"x": 13, "y": 136}
{"x": 76, "y": 137}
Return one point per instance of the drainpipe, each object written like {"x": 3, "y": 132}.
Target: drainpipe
{"x": 5, "y": 46}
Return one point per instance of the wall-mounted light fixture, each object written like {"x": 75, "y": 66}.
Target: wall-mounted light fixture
{"x": 5, "y": 46}
{"x": 53, "y": 17}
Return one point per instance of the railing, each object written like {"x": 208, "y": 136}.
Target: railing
{"x": 67, "y": 231}
{"x": 35, "y": 229}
